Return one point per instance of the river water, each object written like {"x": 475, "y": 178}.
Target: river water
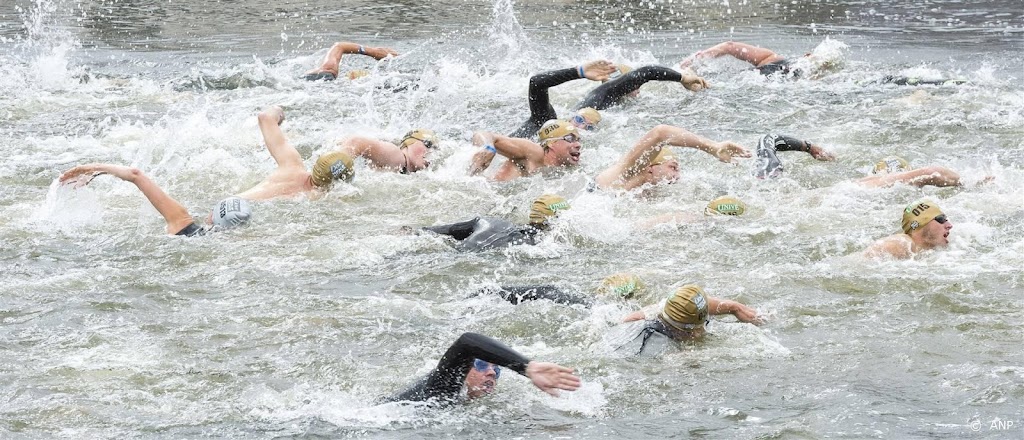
{"x": 294, "y": 326}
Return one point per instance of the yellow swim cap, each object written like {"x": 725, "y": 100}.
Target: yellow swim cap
{"x": 623, "y": 69}
{"x": 331, "y": 166}
{"x": 663, "y": 156}
{"x": 725, "y": 205}
{"x": 358, "y": 73}
{"x": 546, "y": 206}
{"x": 918, "y": 214}
{"x": 891, "y": 164}
{"x": 623, "y": 285}
{"x": 686, "y": 309}
{"x": 590, "y": 114}
{"x": 428, "y": 137}
{"x": 555, "y": 129}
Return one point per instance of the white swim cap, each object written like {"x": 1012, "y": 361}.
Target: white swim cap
{"x": 231, "y": 212}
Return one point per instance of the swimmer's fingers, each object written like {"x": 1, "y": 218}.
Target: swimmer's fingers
{"x": 694, "y": 83}
{"x": 550, "y": 378}
{"x": 729, "y": 150}
{"x": 80, "y": 176}
{"x": 821, "y": 154}
{"x": 599, "y": 70}
{"x": 388, "y": 52}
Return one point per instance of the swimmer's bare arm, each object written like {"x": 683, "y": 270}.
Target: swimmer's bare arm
{"x": 379, "y": 153}
{"x": 515, "y": 149}
{"x": 284, "y": 154}
{"x": 333, "y": 57}
{"x": 719, "y": 306}
{"x": 177, "y": 216}
{"x": 932, "y": 175}
{"x": 662, "y": 136}
{"x": 635, "y": 316}
{"x": 741, "y": 51}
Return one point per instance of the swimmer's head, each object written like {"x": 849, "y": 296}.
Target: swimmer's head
{"x": 916, "y": 215}
{"x": 482, "y": 378}
{"x": 562, "y": 140}
{"x": 686, "y": 310}
{"x": 891, "y": 164}
{"x": 586, "y": 118}
{"x": 545, "y": 207}
{"x": 230, "y": 213}
{"x": 427, "y": 136}
{"x": 725, "y": 205}
{"x": 664, "y": 167}
{"x": 358, "y": 73}
{"x": 330, "y": 167}
{"x": 621, "y": 285}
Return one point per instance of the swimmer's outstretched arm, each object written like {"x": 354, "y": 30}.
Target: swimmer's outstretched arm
{"x": 790, "y": 143}
{"x": 741, "y": 51}
{"x": 510, "y": 147}
{"x": 612, "y": 92}
{"x": 718, "y": 306}
{"x": 176, "y": 216}
{"x": 380, "y": 154}
{"x": 333, "y": 57}
{"x": 540, "y": 103}
{"x": 934, "y": 175}
{"x": 284, "y": 154}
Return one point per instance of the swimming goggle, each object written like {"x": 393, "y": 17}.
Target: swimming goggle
{"x": 426, "y": 142}
{"x": 570, "y": 138}
{"x": 940, "y": 219}
{"x": 582, "y": 122}
{"x": 482, "y": 367}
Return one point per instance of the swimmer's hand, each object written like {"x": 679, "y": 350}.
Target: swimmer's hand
{"x": 726, "y": 151}
{"x": 821, "y": 154}
{"x": 83, "y": 174}
{"x": 274, "y": 112}
{"x": 694, "y": 83}
{"x": 381, "y": 52}
{"x": 550, "y": 378}
{"x": 599, "y": 70}
{"x": 742, "y": 312}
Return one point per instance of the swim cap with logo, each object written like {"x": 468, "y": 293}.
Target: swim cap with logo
{"x": 918, "y": 214}
{"x": 331, "y": 166}
{"x": 590, "y": 114}
{"x": 623, "y": 285}
{"x": 546, "y": 206}
{"x": 686, "y": 309}
{"x": 555, "y": 129}
{"x": 725, "y": 205}
{"x": 358, "y": 73}
{"x": 891, "y": 164}
{"x": 663, "y": 156}
{"x": 231, "y": 212}
{"x": 428, "y": 137}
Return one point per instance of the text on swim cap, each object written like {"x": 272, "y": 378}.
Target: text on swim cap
{"x": 920, "y": 208}
{"x": 338, "y": 168}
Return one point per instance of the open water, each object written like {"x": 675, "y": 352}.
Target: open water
{"x": 292, "y": 327}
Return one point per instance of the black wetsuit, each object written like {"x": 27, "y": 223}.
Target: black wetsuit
{"x": 612, "y": 92}
{"x": 767, "y": 164}
{"x": 444, "y": 383}
{"x": 318, "y": 76}
{"x": 914, "y": 81}
{"x": 606, "y": 95}
{"x": 518, "y": 294}
{"x": 484, "y": 233}
{"x": 192, "y": 230}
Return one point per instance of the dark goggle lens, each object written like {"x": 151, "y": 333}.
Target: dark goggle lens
{"x": 482, "y": 367}
{"x": 940, "y": 219}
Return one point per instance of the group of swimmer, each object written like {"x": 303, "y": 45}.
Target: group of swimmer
{"x": 546, "y": 142}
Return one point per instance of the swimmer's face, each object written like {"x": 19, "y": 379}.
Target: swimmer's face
{"x": 481, "y": 379}
{"x": 583, "y": 123}
{"x": 666, "y": 172}
{"x": 419, "y": 155}
{"x": 935, "y": 233}
{"x": 566, "y": 149}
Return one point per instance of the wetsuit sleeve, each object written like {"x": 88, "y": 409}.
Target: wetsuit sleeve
{"x": 458, "y": 231}
{"x": 540, "y": 104}
{"x": 518, "y": 294}
{"x": 788, "y": 143}
{"x": 446, "y": 380}
{"x": 612, "y": 92}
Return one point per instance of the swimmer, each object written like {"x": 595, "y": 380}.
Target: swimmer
{"x": 925, "y": 227}
{"x": 651, "y": 162}
{"x": 765, "y": 61}
{"x": 475, "y": 362}
{"x": 559, "y": 147}
{"x": 721, "y": 206}
{"x": 409, "y": 156}
{"x": 290, "y": 178}
{"x": 768, "y": 164}
{"x": 483, "y": 233}
{"x": 621, "y": 286}
{"x": 683, "y": 315}
{"x": 619, "y": 81}
{"x": 226, "y": 214}
{"x": 894, "y": 169}
{"x": 328, "y": 70}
